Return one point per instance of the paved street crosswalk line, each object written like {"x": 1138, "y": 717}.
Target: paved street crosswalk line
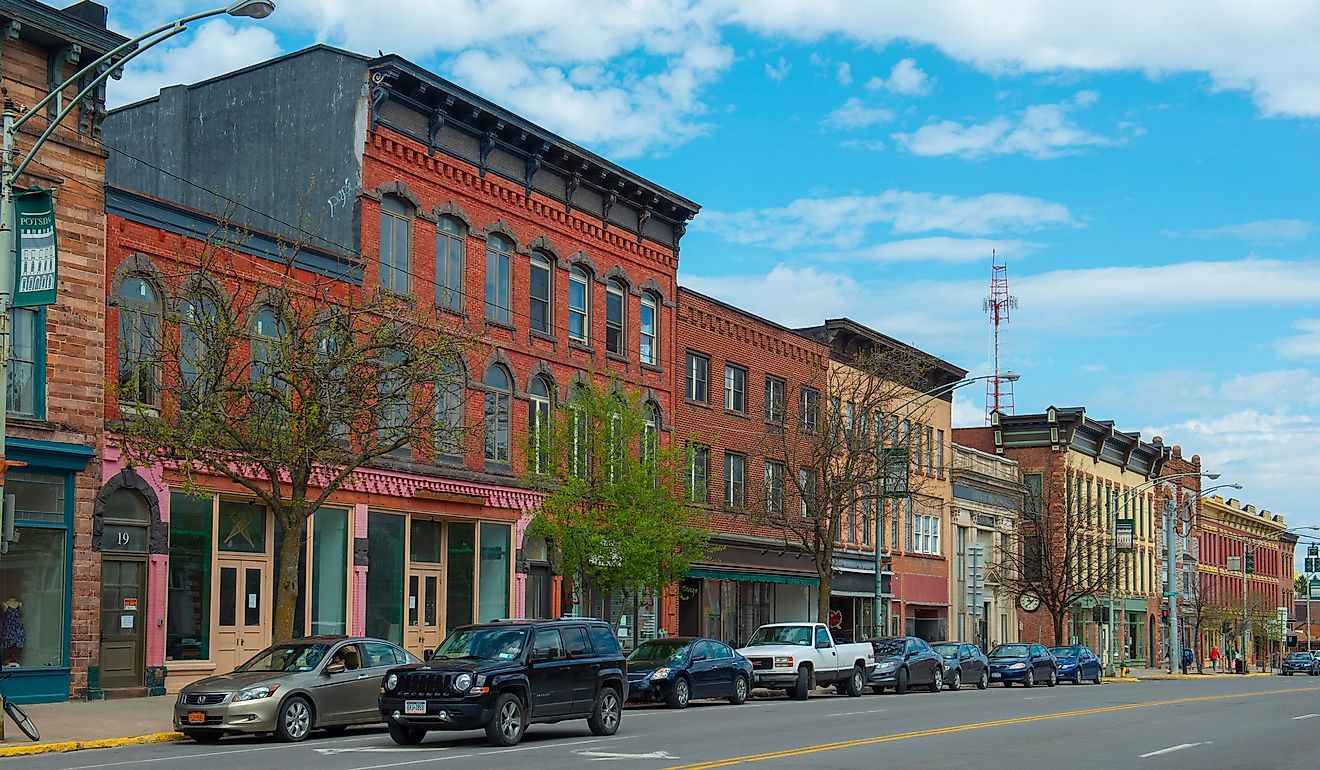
{"x": 1169, "y": 750}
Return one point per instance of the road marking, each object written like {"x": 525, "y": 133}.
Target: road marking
{"x": 548, "y": 745}
{"x": 1037, "y": 697}
{"x": 786, "y": 753}
{"x": 1306, "y": 716}
{"x": 601, "y": 755}
{"x": 852, "y": 713}
{"x": 1169, "y": 750}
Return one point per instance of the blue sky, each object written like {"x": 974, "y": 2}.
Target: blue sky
{"x": 1147, "y": 168}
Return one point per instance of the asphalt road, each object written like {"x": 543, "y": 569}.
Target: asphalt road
{"x": 1208, "y": 723}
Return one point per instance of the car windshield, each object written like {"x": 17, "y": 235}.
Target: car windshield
{"x": 287, "y": 657}
{"x": 659, "y": 652}
{"x": 798, "y": 635}
{"x": 947, "y": 650}
{"x": 483, "y": 643}
{"x": 1065, "y": 652}
{"x": 1010, "y": 651}
{"x": 1300, "y": 656}
{"x": 889, "y": 646}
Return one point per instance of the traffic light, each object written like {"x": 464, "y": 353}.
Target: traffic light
{"x": 1164, "y": 614}
{"x": 1250, "y": 563}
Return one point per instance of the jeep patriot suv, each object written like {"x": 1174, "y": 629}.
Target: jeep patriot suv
{"x": 505, "y": 675}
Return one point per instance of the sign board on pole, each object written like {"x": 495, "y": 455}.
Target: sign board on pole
{"x": 34, "y": 278}
{"x": 1315, "y": 586}
{"x": 1123, "y": 529}
{"x": 896, "y": 472}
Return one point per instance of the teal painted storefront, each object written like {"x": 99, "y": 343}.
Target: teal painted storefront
{"x": 38, "y": 569}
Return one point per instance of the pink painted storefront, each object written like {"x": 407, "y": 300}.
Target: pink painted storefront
{"x": 393, "y": 555}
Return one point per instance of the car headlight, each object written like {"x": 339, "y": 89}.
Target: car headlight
{"x": 661, "y": 673}
{"x": 391, "y": 681}
{"x": 1017, "y": 666}
{"x": 257, "y": 693}
{"x": 462, "y": 683}
{"x": 784, "y": 661}
{"x": 888, "y": 665}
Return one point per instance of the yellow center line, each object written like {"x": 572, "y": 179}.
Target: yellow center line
{"x": 785, "y": 753}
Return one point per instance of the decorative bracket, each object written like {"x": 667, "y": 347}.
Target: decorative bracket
{"x": 488, "y": 144}
{"x": 531, "y": 165}
{"x": 434, "y": 123}
{"x": 382, "y": 81}
{"x": 58, "y": 59}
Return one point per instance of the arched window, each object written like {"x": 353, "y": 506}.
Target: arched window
{"x": 650, "y": 436}
{"x": 538, "y": 422}
{"x": 541, "y": 290}
{"x": 125, "y": 522}
{"x": 198, "y": 331}
{"x": 450, "y": 236}
{"x": 139, "y": 342}
{"x": 498, "y": 254}
{"x": 449, "y": 408}
{"x": 393, "y": 418}
{"x": 615, "y": 310}
{"x": 579, "y": 305}
{"x": 498, "y": 388}
{"x": 395, "y": 244}
{"x": 649, "y": 349}
{"x": 267, "y": 333}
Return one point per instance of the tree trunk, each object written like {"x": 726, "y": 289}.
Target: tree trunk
{"x": 823, "y": 595}
{"x": 1057, "y": 619}
{"x": 286, "y": 581}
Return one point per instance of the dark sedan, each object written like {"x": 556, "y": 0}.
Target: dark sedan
{"x": 1077, "y": 664}
{"x": 680, "y": 669}
{"x": 903, "y": 661}
{"x": 1300, "y": 663}
{"x": 963, "y": 663}
{"x": 1026, "y": 664}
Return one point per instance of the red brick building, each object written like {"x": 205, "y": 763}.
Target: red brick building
{"x": 560, "y": 261}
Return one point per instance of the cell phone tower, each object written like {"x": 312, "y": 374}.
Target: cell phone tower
{"x": 998, "y": 390}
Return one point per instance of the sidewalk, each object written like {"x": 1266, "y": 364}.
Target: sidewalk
{"x": 92, "y": 724}
{"x": 1156, "y": 674}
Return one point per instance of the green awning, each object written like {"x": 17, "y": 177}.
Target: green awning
{"x": 754, "y": 577}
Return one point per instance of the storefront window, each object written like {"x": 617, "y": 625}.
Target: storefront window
{"x": 385, "y": 576}
{"x": 493, "y": 601}
{"x": 458, "y": 576}
{"x": 32, "y": 599}
{"x": 425, "y": 541}
{"x": 329, "y": 571}
{"x": 188, "y": 616}
{"x": 37, "y": 496}
{"x": 242, "y": 527}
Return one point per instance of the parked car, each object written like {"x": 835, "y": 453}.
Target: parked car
{"x": 963, "y": 662}
{"x": 1023, "y": 663}
{"x": 904, "y": 661}
{"x": 795, "y": 657}
{"x": 506, "y": 675}
{"x": 1078, "y": 664}
{"x": 291, "y": 689}
{"x": 678, "y": 669}
{"x": 1300, "y": 662}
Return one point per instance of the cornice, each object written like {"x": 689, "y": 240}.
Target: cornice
{"x": 747, "y": 333}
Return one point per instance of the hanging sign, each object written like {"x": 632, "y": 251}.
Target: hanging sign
{"x": 1123, "y": 529}
{"x": 34, "y": 278}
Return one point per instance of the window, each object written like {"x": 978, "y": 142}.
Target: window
{"x": 650, "y": 437}
{"x": 460, "y": 592}
{"x": 822, "y": 637}
{"x": 774, "y": 399}
{"x": 579, "y": 305}
{"x": 735, "y": 388}
{"x": 810, "y": 406}
{"x": 926, "y": 533}
{"x": 386, "y": 555}
{"x": 395, "y": 244}
{"x": 649, "y": 349}
{"x": 493, "y": 572}
{"x": 698, "y": 473}
{"x": 581, "y": 450}
{"x": 498, "y": 386}
{"x": 197, "y": 326}
{"x": 807, "y": 486}
{"x": 265, "y": 350}
{"x": 774, "y": 488}
{"x": 614, "y": 313}
{"x": 449, "y": 407}
{"x": 541, "y": 291}
{"x": 498, "y": 255}
{"x": 575, "y": 642}
{"x": 538, "y": 423}
{"x": 27, "y": 361}
{"x": 450, "y": 235}
{"x": 930, "y": 449}
{"x": 939, "y": 452}
{"x": 698, "y": 376}
{"x": 735, "y": 466}
{"x": 188, "y": 622}
{"x": 394, "y": 407}
{"x": 34, "y": 570}
{"x": 329, "y": 595}
{"x": 863, "y": 512}
{"x": 547, "y": 645}
{"x": 139, "y": 341}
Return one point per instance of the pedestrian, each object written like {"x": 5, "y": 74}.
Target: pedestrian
{"x": 1214, "y": 658}
{"x": 1186, "y": 660}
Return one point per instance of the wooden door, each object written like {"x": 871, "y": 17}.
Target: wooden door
{"x": 241, "y": 589}
{"x": 424, "y": 610}
{"x": 123, "y": 613}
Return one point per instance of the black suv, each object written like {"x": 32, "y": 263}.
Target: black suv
{"x": 505, "y": 675}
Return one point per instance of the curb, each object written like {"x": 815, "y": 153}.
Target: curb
{"x": 100, "y": 743}
{"x": 1120, "y": 679}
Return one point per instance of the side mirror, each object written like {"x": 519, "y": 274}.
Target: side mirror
{"x": 335, "y": 668}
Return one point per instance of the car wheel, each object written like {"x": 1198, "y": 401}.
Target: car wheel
{"x": 901, "y": 681}
{"x": 740, "y": 690}
{"x": 1030, "y": 679}
{"x": 1098, "y": 676}
{"x": 1077, "y": 676}
{"x": 985, "y": 681}
{"x": 406, "y": 736}
{"x": 508, "y": 723}
{"x": 294, "y": 721}
{"x": 956, "y": 682}
{"x": 204, "y": 736}
{"x": 856, "y": 683}
{"x": 802, "y": 690}
{"x": 679, "y": 694}
{"x": 1054, "y": 677}
{"x": 937, "y": 683}
{"x": 1286, "y": 673}
{"x": 609, "y": 712}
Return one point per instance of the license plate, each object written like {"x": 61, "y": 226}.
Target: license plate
{"x": 414, "y": 707}
{"x": 994, "y": 676}
{"x": 196, "y": 717}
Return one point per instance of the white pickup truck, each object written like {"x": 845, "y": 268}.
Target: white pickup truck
{"x": 795, "y": 657}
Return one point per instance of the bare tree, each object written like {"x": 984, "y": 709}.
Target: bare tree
{"x": 283, "y": 382}
{"x": 1205, "y": 608}
{"x": 833, "y": 456}
{"x": 1061, "y": 551}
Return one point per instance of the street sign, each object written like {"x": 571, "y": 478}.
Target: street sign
{"x": 1315, "y": 586}
{"x": 34, "y": 280}
{"x": 1123, "y": 530}
{"x": 896, "y": 469}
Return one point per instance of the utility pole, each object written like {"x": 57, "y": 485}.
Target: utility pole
{"x": 1171, "y": 589}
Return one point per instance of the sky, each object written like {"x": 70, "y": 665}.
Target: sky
{"x": 1147, "y": 170}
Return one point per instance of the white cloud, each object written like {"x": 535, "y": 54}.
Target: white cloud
{"x": 1261, "y": 231}
{"x": 968, "y": 410}
{"x": 1302, "y": 346}
{"x": 777, "y": 72}
{"x": 844, "y": 74}
{"x": 841, "y": 222}
{"x": 940, "y": 248}
{"x": 214, "y": 48}
{"x": 905, "y": 78}
{"x": 853, "y": 114}
{"x": 870, "y": 145}
{"x": 816, "y": 294}
{"x": 1039, "y": 131}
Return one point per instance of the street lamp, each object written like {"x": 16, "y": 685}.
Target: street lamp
{"x": 98, "y": 71}
{"x": 906, "y": 407}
